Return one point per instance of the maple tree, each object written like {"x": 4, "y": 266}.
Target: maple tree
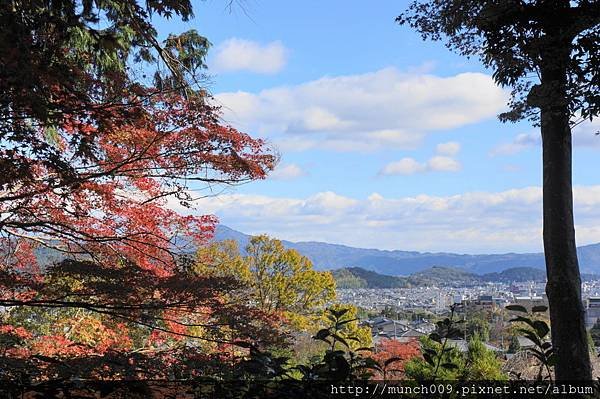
{"x": 96, "y": 158}
{"x": 391, "y": 356}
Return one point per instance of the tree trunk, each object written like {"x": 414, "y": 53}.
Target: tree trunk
{"x": 567, "y": 317}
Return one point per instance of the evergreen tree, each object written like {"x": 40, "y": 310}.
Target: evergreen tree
{"x": 595, "y": 333}
{"x": 514, "y": 345}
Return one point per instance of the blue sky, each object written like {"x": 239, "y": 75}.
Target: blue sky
{"x": 386, "y": 141}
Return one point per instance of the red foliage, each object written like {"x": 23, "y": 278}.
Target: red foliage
{"x": 114, "y": 221}
{"x": 389, "y": 349}
{"x": 97, "y": 167}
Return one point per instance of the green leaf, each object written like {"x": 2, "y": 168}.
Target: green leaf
{"x": 340, "y": 339}
{"x": 322, "y": 334}
{"x": 531, "y": 336}
{"x": 339, "y": 313}
{"x": 428, "y": 359}
{"x": 435, "y": 337}
{"x": 431, "y": 352}
{"x": 454, "y": 333}
{"x": 364, "y": 348}
{"x": 546, "y": 345}
{"x": 539, "y": 354}
{"x": 449, "y": 366}
{"x": 372, "y": 364}
{"x": 541, "y": 328}
{"x": 539, "y": 357}
{"x": 516, "y": 308}
{"x": 341, "y": 323}
{"x": 305, "y": 370}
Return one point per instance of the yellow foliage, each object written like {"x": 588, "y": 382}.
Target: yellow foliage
{"x": 279, "y": 280}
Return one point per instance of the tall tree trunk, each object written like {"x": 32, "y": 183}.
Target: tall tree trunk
{"x": 567, "y": 318}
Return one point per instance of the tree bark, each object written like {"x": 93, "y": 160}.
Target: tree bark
{"x": 563, "y": 288}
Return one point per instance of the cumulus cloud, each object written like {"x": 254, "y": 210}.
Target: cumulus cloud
{"x": 287, "y": 172}
{"x": 405, "y": 166}
{"x": 444, "y": 162}
{"x": 451, "y": 148}
{"x": 475, "y": 222}
{"x": 365, "y": 112}
{"x": 245, "y": 55}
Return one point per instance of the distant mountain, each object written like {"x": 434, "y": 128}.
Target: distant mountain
{"x": 440, "y": 276}
{"x": 517, "y": 274}
{"x": 403, "y": 263}
{"x": 356, "y": 277}
{"x": 225, "y": 233}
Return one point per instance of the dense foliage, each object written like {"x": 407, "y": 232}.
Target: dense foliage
{"x": 392, "y": 355}
{"x": 277, "y": 280}
{"x": 96, "y": 157}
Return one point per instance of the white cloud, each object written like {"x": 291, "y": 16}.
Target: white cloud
{"x": 470, "y": 222}
{"x": 451, "y": 148}
{"x": 519, "y": 143}
{"x": 405, "y": 166}
{"x": 386, "y": 108}
{"x": 287, "y": 172}
{"x": 443, "y": 164}
{"x": 245, "y": 55}
{"x": 409, "y": 166}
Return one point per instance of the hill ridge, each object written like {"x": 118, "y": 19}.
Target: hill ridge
{"x": 326, "y": 256}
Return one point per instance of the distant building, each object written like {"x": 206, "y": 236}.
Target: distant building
{"x": 424, "y": 326}
{"x": 525, "y": 343}
{"x": 592, "y": 311}
{"x": 387, "y": 327}
{"x": 483, "y": 302}
{"x": 400, "y": 330}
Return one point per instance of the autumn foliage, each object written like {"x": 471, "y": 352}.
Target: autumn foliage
{"x": 98, "y": 166}
{"x": 391, "y": 355}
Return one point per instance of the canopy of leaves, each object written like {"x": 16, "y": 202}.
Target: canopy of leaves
{"x": 277, "y": 279}
{"x": 391, "y": 355}
{"x": 105, "y": 132}
{"x": 449, "y": 358}
{"x": 482, "y": 364}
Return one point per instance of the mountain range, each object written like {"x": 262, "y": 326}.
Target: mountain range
{"x": 327, "y": 256}
{"x": 357, "y": 277}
